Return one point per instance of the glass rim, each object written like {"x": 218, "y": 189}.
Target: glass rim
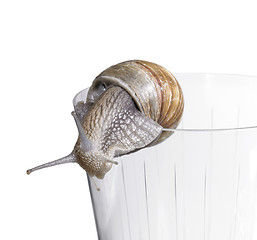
{"x": 215, "y": 74}
{"x": 195, "y": 129}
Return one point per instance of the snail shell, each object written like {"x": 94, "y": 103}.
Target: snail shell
{"x": 155, "y": 91}
{"x": 126, "y": 109}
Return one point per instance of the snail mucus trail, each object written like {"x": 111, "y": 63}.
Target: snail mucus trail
{"x": 120, "y": 116}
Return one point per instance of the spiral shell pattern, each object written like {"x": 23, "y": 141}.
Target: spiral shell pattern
{"x": 153, "y": 88}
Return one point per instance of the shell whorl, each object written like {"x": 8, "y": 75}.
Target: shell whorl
{"x": 153, "y": 88}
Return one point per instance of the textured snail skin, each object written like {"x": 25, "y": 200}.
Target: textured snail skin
{"x": 114, "y": 126}
{"x": 126, "y": 109}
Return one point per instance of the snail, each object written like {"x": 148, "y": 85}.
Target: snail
{"x": 127, "y": 108}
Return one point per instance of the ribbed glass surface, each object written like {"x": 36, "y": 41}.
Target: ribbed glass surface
{"x": 201, "y": 183}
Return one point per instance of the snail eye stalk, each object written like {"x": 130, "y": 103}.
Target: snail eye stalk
{"x": 86, "y": 144}
{"x": 67, "y": 159}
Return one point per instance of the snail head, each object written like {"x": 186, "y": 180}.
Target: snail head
{"x": 113, "y": 126}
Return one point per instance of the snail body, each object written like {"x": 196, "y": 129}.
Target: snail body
{"x": 126, "y": 109}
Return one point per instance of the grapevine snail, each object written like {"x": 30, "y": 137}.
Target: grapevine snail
{"x": 127, "y": 107}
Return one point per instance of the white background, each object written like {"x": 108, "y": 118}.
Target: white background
{"x": 50, "y": 50}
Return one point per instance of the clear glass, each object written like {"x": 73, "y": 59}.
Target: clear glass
{"x": 199, "y": 184}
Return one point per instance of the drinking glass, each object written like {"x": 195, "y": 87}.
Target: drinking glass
{"x": 200, "y": 183}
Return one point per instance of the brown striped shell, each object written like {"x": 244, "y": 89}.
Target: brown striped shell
{"x": 153, "y": 88}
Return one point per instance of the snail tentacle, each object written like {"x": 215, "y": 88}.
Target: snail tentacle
{"x": 86, "y": 144}
{"x": 96, "y": 186}
{"x": 113, "y": 162}
{"x": 67, "y": 159}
